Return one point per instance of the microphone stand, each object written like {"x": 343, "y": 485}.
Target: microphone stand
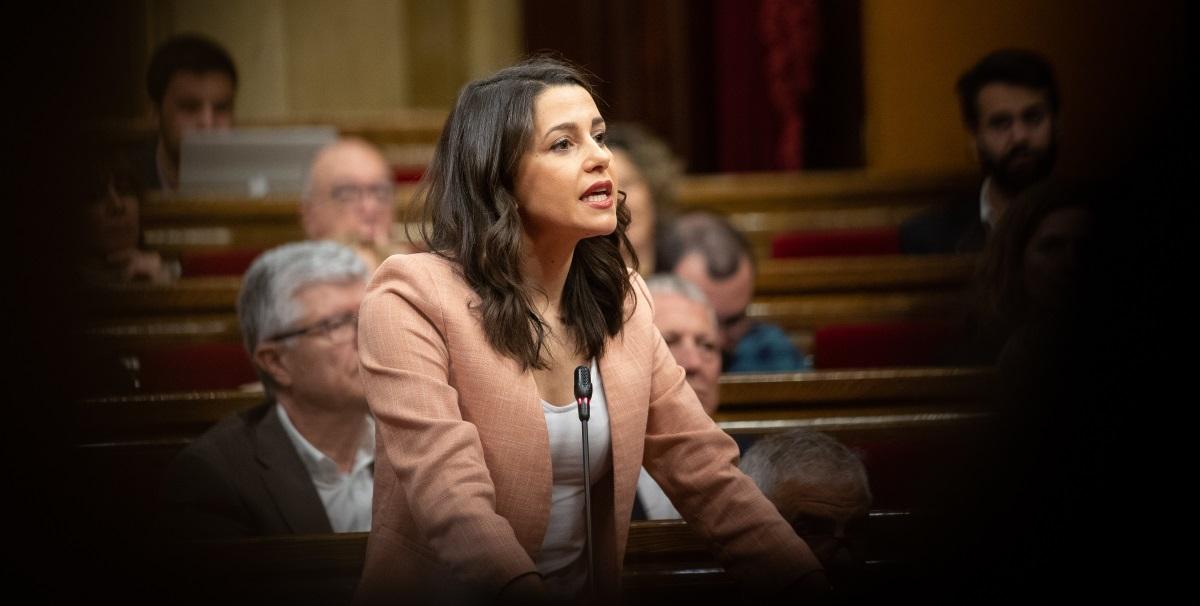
{"x": 583, "y": 397}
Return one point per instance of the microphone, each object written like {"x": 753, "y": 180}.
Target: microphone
{"x": 583, "y": 392}
{"x": 583, "y": 397}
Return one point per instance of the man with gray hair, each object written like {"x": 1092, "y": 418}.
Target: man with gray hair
{"x": 348, "y": 197}
{"x": 819, "y": 486}
{"x": 302, "y": 462}
{"x": 703, "y": 248}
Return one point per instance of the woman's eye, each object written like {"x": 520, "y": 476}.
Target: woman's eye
{"x": 601, "y": 138}
{"x": 561, "y": 144}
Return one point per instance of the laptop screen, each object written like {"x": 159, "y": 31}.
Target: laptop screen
{"x": 250, "y": 162}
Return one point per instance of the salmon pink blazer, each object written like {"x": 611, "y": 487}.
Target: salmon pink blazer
{"x": 463, "y": 472}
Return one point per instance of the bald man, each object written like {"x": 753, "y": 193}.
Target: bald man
{"x": 349, "y": 197}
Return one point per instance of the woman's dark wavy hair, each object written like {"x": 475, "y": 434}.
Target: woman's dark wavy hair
{"x": 470, "y": 217}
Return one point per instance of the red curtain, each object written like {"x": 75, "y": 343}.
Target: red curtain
{"x": 764, "y": 53}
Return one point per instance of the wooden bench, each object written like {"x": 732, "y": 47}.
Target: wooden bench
{"x": 729, "y": 193}
{"x": 800, "y": 295}
{"x": 174, "y": 225}
{"x": 905, "y": 423}
{"x": 749, "y": 402}
{"x": 760, "y": 204}
{"x": 774, "y": 277}
{"x": 863, "y": 274}
{"x": 663, "y": 560}
{"x": 763, "y": 205}
{"x": 793, "y": 283}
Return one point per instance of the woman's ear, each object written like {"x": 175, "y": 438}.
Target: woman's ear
{"x": 268, "y": 357}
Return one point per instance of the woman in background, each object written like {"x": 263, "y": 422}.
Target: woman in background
{"x": 648, "y": 173}
{"x": 112, "y": 223}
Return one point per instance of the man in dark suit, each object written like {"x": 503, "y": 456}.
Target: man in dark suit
{"x": 302, "y": 462}
{"x": 1009, "y": 103}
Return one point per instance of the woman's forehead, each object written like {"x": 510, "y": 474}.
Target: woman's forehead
{"x": 564, "y": 104}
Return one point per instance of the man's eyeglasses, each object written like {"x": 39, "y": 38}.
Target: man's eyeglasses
{"x": 351, "y": 194}
{"x": 338, "y": 329}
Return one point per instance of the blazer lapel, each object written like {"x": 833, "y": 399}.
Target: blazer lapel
{"x": 287, "y": 480}
{"x": 624, "y": 380}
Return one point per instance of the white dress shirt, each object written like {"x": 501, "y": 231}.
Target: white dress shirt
{"x": 346, "y": 496}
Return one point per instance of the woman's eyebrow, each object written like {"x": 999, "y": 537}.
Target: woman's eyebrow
{"x": 570, "y": 126}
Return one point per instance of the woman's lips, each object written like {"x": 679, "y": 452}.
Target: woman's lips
{"x": 598, "y": 201}
{"x": 599, "y": 195}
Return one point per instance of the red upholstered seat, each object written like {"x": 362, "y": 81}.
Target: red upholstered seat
{"x": 837, "y": 243}
{"x": 195, "y": 366}
{"x": 909, "y": 343}
{"x": 224, "y": 262}
{"x": 407, "y": 174}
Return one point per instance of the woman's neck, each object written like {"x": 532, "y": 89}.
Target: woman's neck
{"x": 545, "y": 267}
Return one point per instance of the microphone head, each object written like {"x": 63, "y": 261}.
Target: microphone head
{"x": 583, "y": 382}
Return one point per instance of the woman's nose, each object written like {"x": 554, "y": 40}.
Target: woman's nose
{"x": 599, "y": 156}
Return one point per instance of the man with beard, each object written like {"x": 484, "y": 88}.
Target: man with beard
{"x": 1009, "y": 104}
{"x": 192, "y": 82}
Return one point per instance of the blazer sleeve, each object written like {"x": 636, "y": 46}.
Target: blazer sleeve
{"x": 695, "y": 463}
{"x": 436, "y": 455}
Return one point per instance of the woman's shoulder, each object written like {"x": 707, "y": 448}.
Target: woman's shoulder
{"x": 428, "y": 269}
{"x": 419, "y": 262}
{"x": 418, "y": 275}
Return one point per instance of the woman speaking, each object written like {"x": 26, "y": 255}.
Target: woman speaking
{"x": 469, "y": 352}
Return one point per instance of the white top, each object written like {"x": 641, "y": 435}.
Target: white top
{"x": 346, "y": 496}
{"x": 561, "y": 560}
{"x": 654, "y": 501}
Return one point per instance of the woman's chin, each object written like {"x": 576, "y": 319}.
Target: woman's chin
{"x": 607, "y": 226}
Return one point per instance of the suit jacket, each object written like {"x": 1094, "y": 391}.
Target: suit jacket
{"x": 954, "y": 227}
{"x": 463, "y": 472}
{"x": 241, "y": 478}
